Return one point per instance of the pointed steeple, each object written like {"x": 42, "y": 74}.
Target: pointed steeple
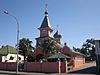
{"x": 45, "y": 29}
{"x": 57, "y": 35}
{"x": 46, "y": 22}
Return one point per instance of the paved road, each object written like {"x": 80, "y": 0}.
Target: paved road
{"x": 86, "y": 69}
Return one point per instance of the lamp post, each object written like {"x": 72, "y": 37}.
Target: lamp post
{"x": 6, "y": 12}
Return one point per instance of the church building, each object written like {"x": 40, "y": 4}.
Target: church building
{"x": 76, "y": 58}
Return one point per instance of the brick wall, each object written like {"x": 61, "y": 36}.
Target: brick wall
{"x": 35, "y": 66}
{"x": 2, "y": 66}
{"x": 78, "y": 62}
{"x": 44, "y": 67}
{"x": 8, "y": 66}
{"x": 50, "y": 67}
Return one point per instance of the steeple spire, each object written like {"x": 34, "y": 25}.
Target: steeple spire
{"x": 45, "y": 28}
{"x": 46, "y": 22}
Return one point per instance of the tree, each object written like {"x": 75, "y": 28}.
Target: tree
{"x": 49, "y": 46}
{"x": 77, "y": 49}
{"x": 88, "y": 48}
{"x": 30, "y": 58}
{"x": 24, "y": 46}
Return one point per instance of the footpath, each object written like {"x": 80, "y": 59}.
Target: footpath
{"x": 87, "y": 68}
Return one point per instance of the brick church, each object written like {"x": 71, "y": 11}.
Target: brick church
{"x": 46, "y": 31}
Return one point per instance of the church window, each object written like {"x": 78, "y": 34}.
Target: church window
{"x": 11, "y": 58}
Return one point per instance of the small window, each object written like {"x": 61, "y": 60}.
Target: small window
{"x": 11, "y": 58}
{"x": 19, "y": 58}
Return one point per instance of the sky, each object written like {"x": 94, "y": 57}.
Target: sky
{"x": 77, "y": 20}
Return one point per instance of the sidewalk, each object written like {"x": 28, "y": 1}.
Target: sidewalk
{"x": 87, "y": 68}
{"x": 86, "y": 65}
{"x": 19, "y": 73}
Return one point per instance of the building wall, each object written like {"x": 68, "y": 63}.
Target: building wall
{"x": 38, "y": 50}
{"x": 98, "y": 63}
{"x": 39, "y": 41}
{"x": 97, "y": 51}
{"x": 78, "y": 61}
{"x": 66, "y": 50}
{"x": 11, "y": 58}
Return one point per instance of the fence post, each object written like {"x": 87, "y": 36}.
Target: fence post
{"x": 41, "y": 65}
{"x": 59, "y": 65}
{"x": 66, "y": 64}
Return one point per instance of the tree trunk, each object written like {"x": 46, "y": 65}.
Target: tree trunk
{"x": 24, "y": 54}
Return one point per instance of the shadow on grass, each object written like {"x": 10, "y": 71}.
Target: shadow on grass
{"x": 89, "y": 70}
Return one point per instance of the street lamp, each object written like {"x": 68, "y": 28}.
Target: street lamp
{"x": 6, "y": 12}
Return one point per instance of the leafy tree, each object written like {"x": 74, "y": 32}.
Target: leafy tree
{"x": 49, "y": 46}
{"x": 88, "y": 49}
{"x": 30, "y": 58}
{"x": 24, "y": 46}
{"x": 77, "y": 49}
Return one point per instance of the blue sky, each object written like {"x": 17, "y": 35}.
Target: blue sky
{"x": 78, "y": 20}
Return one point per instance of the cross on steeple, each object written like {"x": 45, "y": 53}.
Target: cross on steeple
{"x": 46, "y": 10}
